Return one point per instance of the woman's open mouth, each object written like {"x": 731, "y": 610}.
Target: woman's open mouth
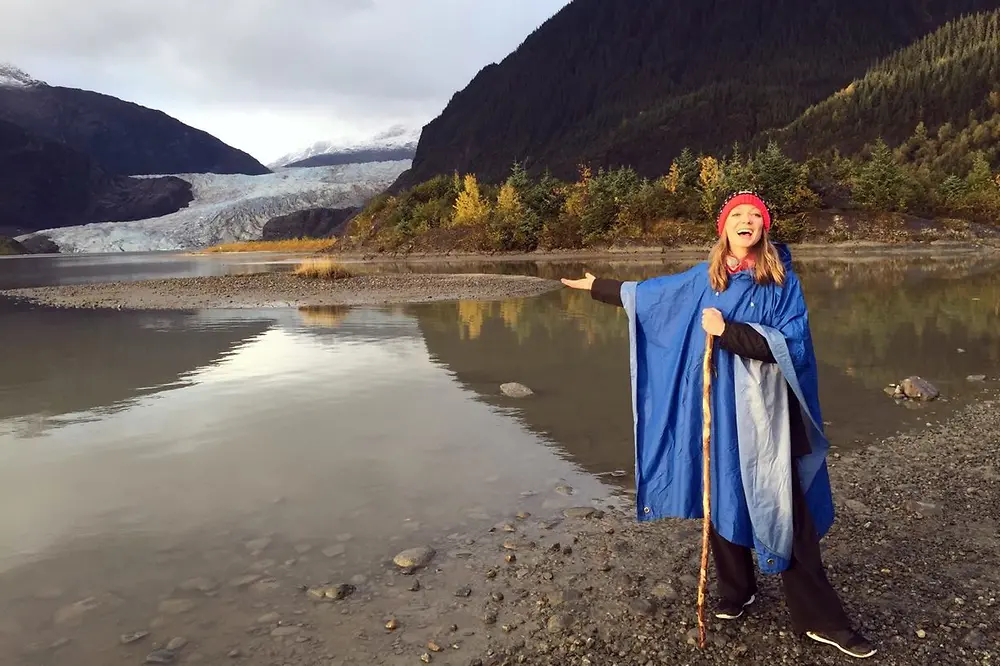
{"x": 746, "y": 233}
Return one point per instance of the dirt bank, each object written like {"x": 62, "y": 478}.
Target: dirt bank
{"x": 284, "y": 290}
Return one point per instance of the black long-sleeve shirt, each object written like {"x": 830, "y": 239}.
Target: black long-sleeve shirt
{"x": 737, "y": 338}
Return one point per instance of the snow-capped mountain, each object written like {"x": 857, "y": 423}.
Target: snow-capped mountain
{"x": 397, "y": 142}
{"x": 233, "y": 207}
{"x": 14, "y": 77}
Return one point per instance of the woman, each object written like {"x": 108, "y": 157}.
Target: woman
{"x": 769, "y": 483}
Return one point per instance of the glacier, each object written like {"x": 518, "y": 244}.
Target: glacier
{"x": 232, "y": 207}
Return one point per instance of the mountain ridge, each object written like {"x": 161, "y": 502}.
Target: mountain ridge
{"x": 123, "y": 137}
{"x": 631, "y": 85}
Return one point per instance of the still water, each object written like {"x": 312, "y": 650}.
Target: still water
{"x": 142, "y": 449}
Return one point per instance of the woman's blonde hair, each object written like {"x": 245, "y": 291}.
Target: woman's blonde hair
{"x": 768, "y": 267}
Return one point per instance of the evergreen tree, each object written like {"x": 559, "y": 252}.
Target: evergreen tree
{"x": 879, "y": 185}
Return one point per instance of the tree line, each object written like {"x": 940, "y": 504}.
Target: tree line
{"x": 619, "y": 207}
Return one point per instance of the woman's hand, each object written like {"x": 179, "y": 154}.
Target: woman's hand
{"x": 712, "y": 321}
{"x": 583, "y": 283}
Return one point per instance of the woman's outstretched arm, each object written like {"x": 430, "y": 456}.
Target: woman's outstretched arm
{"x": 604, "y": 290}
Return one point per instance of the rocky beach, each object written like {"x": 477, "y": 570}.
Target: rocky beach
{"x": 278, "y": 289}
{"x": 914, "y": 552}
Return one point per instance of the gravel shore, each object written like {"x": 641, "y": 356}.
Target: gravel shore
{"x": 284, "y": 290}
{"x": 914, "y": 552}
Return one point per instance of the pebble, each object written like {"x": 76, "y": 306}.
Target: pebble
{"x": 331, "y": 592}
{"x": 127, "y": 639}
{"x": 664, "y": 592}
{"x": 177, "y": 643}
{"x": 414, "y": 557}
{"x": 268, "y": 618}
{"x": 177, "y": 606}
{"x": 515, "y": 390}
{"x": 161, "y": 657}
{"x": 581, "y": 512}
{"x": 290, "y": 630}
{"x": 335, "y": 550}
{"x": 558, "y": 623}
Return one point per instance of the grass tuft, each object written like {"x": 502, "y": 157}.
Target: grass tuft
{"x": 322, "y": 268}
{"x": 290, "y": 245}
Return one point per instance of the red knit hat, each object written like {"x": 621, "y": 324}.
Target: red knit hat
{"x": 739, "y": 199}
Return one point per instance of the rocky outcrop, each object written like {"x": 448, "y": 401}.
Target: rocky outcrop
{"x": 10, "y": 246}
{"x": 121, "y": 137}
{"x": 46, "y": 184}
{"x": 310, "y": 223}
{"x": 39, "y": 244}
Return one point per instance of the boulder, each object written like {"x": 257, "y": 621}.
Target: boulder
{"x": 917, "y": 388}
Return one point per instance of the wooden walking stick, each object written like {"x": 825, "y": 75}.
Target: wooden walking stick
{"x": 706, "y": 483}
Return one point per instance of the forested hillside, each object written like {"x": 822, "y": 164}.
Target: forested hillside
{"x": 632, "y": 83}
{"x": 949, "y": 81}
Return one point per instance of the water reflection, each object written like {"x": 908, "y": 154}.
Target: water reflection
{"x": 342, "y": 414}
{"x": 873, "y": 323}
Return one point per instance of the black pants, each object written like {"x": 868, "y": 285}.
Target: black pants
{"x": 812, "y": 602}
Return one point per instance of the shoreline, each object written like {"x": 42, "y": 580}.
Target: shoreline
{"x": 282, "y": 289}
{"x": 847, "y": 249}
{"x": 914, "y": 553}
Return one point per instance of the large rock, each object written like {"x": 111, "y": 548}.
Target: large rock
{"x": 413, "y": 558}
{"x": 309, "y": 223}
{"x": 39, "y": 244}
{"x": 917, "y": 388}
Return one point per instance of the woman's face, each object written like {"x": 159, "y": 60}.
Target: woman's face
{"x": 744, "y": 226}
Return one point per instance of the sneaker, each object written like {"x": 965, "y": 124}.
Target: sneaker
{"x": 846, "y": 640}
{"x": 728, "y": 610}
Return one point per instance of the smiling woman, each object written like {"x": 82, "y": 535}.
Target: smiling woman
{"x": 770, "y": 489}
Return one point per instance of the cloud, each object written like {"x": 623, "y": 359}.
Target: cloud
{"x": 358, "y": 64}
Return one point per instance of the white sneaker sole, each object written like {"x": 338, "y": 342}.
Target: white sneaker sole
{"x": 724, "y": 616}
{"x": 827, "y": 641}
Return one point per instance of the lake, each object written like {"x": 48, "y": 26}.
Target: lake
{"x": 140, "y": 450}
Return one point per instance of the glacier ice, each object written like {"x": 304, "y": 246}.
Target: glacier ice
{"x": 233, "y": 207}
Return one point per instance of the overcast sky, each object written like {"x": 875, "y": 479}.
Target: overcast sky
{"x": 270, "y": 76}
